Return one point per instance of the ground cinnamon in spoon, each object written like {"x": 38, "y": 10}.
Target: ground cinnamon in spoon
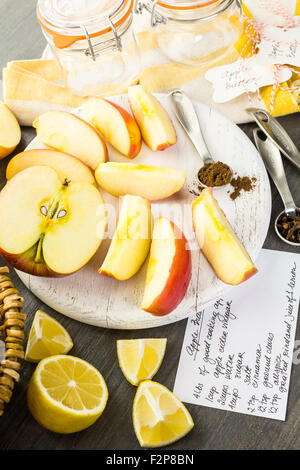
{"x": 244, "y": 183}
{"x": 215, "y": 174}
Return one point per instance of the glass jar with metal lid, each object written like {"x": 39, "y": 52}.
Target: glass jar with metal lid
{"x": 194, "y": 32}
{"x": 93, "y": 42}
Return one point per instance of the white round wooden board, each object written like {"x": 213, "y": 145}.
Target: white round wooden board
{"x": 102, "y": 301}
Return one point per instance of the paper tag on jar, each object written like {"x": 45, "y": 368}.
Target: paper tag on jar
{"x": 244, "y": 75}
{"x": 281, "y": 47}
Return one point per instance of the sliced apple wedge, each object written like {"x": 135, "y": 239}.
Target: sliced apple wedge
{"x": 218, "y": 241}
{"x": 10, "y": 132}
{"x": 154, "y": 122}
{"x": 49, "y": 228}
{"x": 68, "y": 133}
{"x": 65, "y": 165}
{"x": 116, "y": 125}
{"x": 131, "y": 241}
{"x": 151, "y": 182}
{"x": 169, "y": 269}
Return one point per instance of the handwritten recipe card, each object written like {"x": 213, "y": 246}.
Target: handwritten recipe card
{"x": 237, "y": 354}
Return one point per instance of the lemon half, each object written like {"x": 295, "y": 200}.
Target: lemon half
{"x": 159, "y": 417}
{"x": 140, "y": 359}
{"x": 66, "y": 394}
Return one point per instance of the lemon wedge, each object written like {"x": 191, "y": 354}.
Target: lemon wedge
{"x": 66, "y": 394}
{"x": 140, "y": 359}
{"x": 159, "y": 417}
{"x": 47, "y": 337}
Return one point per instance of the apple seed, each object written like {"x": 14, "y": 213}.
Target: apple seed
{"x": 61, "y": 214}
{"x": 44, "y": 210}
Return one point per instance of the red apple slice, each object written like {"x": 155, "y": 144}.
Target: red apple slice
{"x": 10, "y": 132}
{"x": 49, "y": 228}
{"x": 151, "y": 182}
{"x": 115, "y": 124}
{"x": 131, "y": 241}
{"x": 154, "y": 122}
{"x": 218, "y": 241}
{"x": 65, "y": 165}
{"x": 68, "y": 133}
{"x": 169, "y": 270}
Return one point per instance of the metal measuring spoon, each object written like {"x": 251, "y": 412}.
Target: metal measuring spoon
{"x": 276, "y": 133}
{"x": 273, "y": 161}
{"x": 187, "y": 117}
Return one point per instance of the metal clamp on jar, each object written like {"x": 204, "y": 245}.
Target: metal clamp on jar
{"x": 93, "y": 42}
{"x": 194, "y": 32}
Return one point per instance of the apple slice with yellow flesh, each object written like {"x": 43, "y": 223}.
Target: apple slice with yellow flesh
{"x": 10, "y": 132}
{"x": 151, "y": 182}
{"x": 131, "y": 241}
{"x": 68, "y": 133}
{"x": 218, "y": 241}
{"x": 116, "y": 125}
{"x": 154, "y": 122}
{"x": 66, "y": 166}
{"x": 49, "y": 228}
{"x": 169, "y": 269}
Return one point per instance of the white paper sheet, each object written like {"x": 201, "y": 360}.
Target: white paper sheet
{"x": 237, "y": 354}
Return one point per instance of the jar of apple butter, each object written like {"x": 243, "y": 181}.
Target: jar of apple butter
{"x": 93, "y": 43}
{"x": 194, "y": 32}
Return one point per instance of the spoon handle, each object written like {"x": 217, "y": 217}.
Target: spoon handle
{"x": 273, "y": 161}
{"x": 187, "y": 117}
{"x": 276, "y": 133}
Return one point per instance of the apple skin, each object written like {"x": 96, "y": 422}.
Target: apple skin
{"x": 133, "y": 130}
{"x": 178, "y": 280}
{"x": 102, "y": 113}
{"x": 251, "y": 270}
{"x": 25, "y": 262}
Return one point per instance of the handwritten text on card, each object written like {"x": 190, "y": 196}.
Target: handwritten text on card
{"x": 281, "y": 47}
{"x": 237, "y": 354}
{"x": 230, "y": 81}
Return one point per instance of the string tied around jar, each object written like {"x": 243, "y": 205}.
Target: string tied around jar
{"x": 254, "y": 31}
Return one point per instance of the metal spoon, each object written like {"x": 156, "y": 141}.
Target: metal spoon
{"x": 273, "y": 161}
{"x": 276, "y": 133}
{"x": 187, "y": 117}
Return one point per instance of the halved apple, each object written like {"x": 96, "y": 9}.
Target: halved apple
{"x": 131, "y": 241}
{"x": 151, "y": 182}
{"x": 115, "y": 124}
{"x": 218, "y": 241}
{"x": 169, "y": 270}
{"x": 65, "y": 165}
{"x": 71, "y": 134}
{"x": 49, "y": 228}
{"x": 10, "y": 132}
{"x": 154, "y": 122}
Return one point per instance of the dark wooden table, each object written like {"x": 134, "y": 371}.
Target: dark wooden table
{"x": 21, "y": 38}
